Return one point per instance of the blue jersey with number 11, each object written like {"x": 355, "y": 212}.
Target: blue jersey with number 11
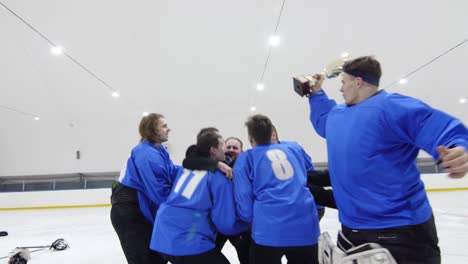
{"x": 200, "y": 204}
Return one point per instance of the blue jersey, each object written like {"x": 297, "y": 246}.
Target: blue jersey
{"x": 271, "y": 193}
{"x": 151, "y": 172}
{"x": 306, "y": 158}
{"x": 372, "y": 151}
{"x": 200, "y": 204}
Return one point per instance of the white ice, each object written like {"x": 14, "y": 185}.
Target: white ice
{"x": 93, "y": 240}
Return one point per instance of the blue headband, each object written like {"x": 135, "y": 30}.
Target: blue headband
{"x": 366, "y": 76}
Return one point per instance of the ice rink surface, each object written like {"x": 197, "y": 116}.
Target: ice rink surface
{"x": 92, "y": 239}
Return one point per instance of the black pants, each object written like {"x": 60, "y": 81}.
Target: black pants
{"x": 213, "y": 256}
{"x": 133, "y": 229}
{"x": 322, "y": 196}
{"x": 272, "y": 255}
{"x": 240, "y": 242}
{"x": 408, "y": 244}
{"x": 321, "y": 213}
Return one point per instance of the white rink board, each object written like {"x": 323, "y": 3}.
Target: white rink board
{"x": 102, "y": 196}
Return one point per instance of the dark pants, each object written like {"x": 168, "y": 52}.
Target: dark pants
{"x": 240, "y": 242}
{"x": 408, "y": 244}
{"x": 272, "y": 255}
{"x": 322, "y": 196}
{"x": 133, "y": 229}
{"x": 213, "y": 256}
{"x": 321, "y": 213}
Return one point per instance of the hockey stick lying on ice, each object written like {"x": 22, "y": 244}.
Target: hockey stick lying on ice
{"x": 58, "y": 245}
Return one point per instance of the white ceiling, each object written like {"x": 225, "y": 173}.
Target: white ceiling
{"x": 198, "y": 63}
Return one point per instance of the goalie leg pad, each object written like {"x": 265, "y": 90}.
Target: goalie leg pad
{"x": 328, "y": 252}
{"x": 369, "y": 253}
{"x": 343, "y": 242}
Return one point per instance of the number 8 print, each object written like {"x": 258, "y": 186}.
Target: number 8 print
{"x": 280, "y": 164}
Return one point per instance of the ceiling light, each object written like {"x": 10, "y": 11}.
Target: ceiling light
{"x": 462, "y": 100}
{"x": 274, "y": 40}
{"x": 56, "y": 50}
{"x": 36, "y": 118}
{"x": 145, "y": 113}
{"x": 403, "y": 81}
{"x": 253, "y": 109}
{"x": 260, "y": 87}
{"x": 115, "y": 95}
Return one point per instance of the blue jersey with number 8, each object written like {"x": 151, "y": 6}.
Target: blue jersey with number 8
{"x": 271, "y": 193}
